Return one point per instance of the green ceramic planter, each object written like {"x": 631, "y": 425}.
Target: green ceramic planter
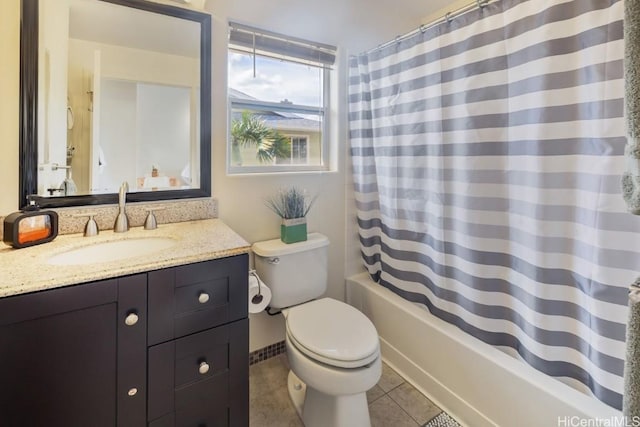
{"x": 293, "y": 230}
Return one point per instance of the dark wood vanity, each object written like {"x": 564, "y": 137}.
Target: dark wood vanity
{"x": 164, "y": 348}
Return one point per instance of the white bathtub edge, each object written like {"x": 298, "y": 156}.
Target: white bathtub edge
{"x": 519, "y": 389}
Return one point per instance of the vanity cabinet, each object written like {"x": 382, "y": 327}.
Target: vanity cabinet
{"x": 67, "y": 355}
{"x": 146, "y": 349}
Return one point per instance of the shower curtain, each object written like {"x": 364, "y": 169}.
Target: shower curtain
{"x": 487, "y": 154}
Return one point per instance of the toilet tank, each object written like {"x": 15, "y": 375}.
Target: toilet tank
{"x": 295, "y": 272}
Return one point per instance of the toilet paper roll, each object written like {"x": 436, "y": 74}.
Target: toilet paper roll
{"x": 253, "y": 291}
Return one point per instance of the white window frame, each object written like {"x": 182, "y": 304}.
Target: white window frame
{"x": 256, "y": 105}
{"x": 307, "y": 139}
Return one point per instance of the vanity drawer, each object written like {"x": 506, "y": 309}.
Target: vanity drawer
{"x": 180, "y": 388}
{"x": 191, "y": 298}
{"x": 201, "y": 356}
{"x": 192, "y": 410}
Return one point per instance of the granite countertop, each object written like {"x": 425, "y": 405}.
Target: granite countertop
{"x": 27, "y": 270}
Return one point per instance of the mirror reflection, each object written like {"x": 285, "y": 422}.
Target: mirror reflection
{"x": 119, "y": 99}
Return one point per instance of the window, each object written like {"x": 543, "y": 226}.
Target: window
{"x": 299, "y": 149}
{"x": 278, "y": 99}
{"x": 299, "y": 154}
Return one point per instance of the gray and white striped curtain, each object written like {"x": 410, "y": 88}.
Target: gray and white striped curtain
{"x": 487, "y": 155}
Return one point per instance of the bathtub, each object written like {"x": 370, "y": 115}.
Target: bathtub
{"x": 476, "y": 383}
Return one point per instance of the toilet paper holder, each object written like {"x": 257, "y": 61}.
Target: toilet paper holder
{"x": 259, "y": 294}
{"x": 257, "y": 299}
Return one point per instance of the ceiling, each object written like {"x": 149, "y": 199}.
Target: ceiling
{"x": 355, "y": 24}
{"x": 109, "y": 23}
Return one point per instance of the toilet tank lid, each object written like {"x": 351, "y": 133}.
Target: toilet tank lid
{"x": 276, "y": 247}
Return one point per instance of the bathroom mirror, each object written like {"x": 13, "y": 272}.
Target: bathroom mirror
{"x": 113, "y": 91}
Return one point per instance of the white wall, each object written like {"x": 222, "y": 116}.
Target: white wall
{"x": 9, "y": 103}
{"x": 353, "y": 26}
{"x": 164, "y": 127}
{"x": 117, "y": 63}
{"x": 242, "y": 198}
{"x": 52, "y": 84}
{"x": 118, "y": 129}
{"x": 132, "y": 64}
{"x": 442, "y": 11}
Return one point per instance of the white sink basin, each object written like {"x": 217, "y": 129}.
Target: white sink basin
{"x": 112, "y": 251}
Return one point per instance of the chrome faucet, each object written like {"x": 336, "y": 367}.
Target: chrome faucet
{"x": 122, "y": 221}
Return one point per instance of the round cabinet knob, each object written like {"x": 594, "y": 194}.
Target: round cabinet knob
{"x": 203, "y": 297}
{"x": 203, "y": 368}
{"x": 132, "y": 391}
{"x": 131, "y": 319}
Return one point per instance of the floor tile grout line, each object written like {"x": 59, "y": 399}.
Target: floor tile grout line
{"x": 398, "y": 403}
{"x": 413, "y": 418}
{"x": 399, "y": 406}
{"x": 404, "y": 381}
{"x": 408, "y": 414}
{"x": 376, "y": 399}
{"x": 384, "y": 393}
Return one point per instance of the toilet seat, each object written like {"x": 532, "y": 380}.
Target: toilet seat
{"x": 333, "y": 333}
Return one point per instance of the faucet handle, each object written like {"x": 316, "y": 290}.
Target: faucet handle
{"x": 151, "y": 223}
{"x": 91, "y": 227}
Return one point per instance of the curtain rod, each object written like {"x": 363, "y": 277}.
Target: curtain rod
{"x": 478, "y": 4}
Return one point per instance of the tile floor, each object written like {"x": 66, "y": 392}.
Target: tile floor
{"x": 392, "y": 402}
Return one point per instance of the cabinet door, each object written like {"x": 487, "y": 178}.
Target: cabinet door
{"x": 75, "y": 356}
{"x": 58, "y": 357}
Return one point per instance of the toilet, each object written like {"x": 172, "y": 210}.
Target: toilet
{"x": 333, "y": 349}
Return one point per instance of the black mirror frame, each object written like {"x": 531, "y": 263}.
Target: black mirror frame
{"x": 28, "y": 143}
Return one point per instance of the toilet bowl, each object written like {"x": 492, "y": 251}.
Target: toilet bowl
{"x": 333, "y": 349}
{"x": 334, "y": 355}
